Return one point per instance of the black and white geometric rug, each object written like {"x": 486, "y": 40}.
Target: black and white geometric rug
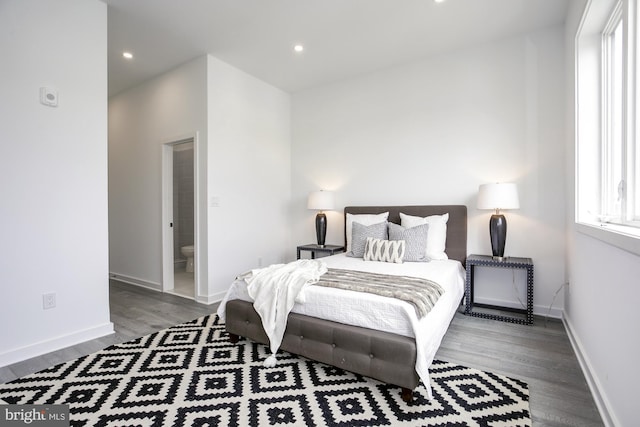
{"x": 191, "y": 375}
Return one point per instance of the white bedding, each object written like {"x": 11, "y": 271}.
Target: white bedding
{"x": 381, "y": 313}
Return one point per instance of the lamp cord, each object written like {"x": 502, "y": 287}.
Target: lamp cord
{"x": 553, "y": 300}
{"x": 546, "y": 319}
{"x": 515, "y": 288}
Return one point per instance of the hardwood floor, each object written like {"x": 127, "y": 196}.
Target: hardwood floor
{"x": 540, "y": 354}
{"x": 135, "y": 312}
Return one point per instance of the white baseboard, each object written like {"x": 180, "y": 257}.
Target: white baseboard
{"x": 136, "y": 281}
{"x": 541, "y": 310}
{"x": 602, "y": 402}
{"x": 210, "y": 299}
{"x": 203, "y": 299}
{"x": 38, "y": 349}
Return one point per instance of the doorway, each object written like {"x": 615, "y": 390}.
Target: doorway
{"x": 179, "y": 218}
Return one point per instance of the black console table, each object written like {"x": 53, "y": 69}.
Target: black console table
{"x": 313, "y": 248}
{"x": 510, "y": 262}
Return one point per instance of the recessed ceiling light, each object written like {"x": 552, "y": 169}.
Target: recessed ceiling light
{"x": 439, "y": 1}
{"x": 298, "y": 48}
{"x": 127, "y": 55}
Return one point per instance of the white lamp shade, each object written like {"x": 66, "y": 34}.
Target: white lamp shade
{"x": 321, "y": 201}
{"x": 498, "y": 196}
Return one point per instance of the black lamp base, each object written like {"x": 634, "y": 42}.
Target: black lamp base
{"x": 498, "y": 233}
{"x": 321, "y": 228}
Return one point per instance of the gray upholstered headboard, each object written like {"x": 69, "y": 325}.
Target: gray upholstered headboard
{"x": 456, "y": 247}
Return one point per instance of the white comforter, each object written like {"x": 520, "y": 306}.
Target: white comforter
{"x": 376, "y": 312}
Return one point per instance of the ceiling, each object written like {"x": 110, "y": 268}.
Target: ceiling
{"x": 341, "y": 38}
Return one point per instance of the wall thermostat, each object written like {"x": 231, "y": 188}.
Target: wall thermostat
{"x": 48, "y": 96}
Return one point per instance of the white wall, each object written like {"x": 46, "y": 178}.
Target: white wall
{"x": 141, "y": 121}
{"x": 431, "y": 131}
{"x": 244, "y": 154}
{"x": 249, "y": 165}
{"x": 53, "y": 176}
{"x": 601, "y": 301}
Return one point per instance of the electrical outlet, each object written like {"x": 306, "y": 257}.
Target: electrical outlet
{"x": 48, "y": 301}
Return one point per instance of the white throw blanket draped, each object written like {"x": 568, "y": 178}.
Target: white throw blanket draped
{"x": 275, "y": 289}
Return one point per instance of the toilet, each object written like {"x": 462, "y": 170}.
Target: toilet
{"x": 188, "y": 251}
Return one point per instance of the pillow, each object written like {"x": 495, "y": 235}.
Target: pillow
{"x": 415, "y": 238}
{"x": 437, "y": 237}
{"x": 361, "y": 232}
{"x": 365, "y": 219}
{"x": 384, "y": 250}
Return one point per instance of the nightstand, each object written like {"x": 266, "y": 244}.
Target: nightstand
{"x": 326, "y": 249}
{"x": 510, "y": 262}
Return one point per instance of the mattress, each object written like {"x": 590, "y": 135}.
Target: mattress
{"x": 381, "y": 313}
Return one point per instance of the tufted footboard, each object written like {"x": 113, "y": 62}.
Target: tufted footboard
{"x": 384, "y": 356}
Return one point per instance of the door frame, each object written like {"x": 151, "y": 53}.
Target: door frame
{"x": 167, "y": 211}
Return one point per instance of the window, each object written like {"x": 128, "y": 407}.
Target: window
{"x": 612, "y": 179}
{"x": 608, "y": 187}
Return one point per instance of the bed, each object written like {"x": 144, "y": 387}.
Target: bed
{"x": 391, "y": 344}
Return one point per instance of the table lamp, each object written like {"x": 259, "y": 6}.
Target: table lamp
{"x": 321, "y": 201}
{"x": 498, "y": 196}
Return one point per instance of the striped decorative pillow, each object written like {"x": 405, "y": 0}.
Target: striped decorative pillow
{"x": 384, "y": 250}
